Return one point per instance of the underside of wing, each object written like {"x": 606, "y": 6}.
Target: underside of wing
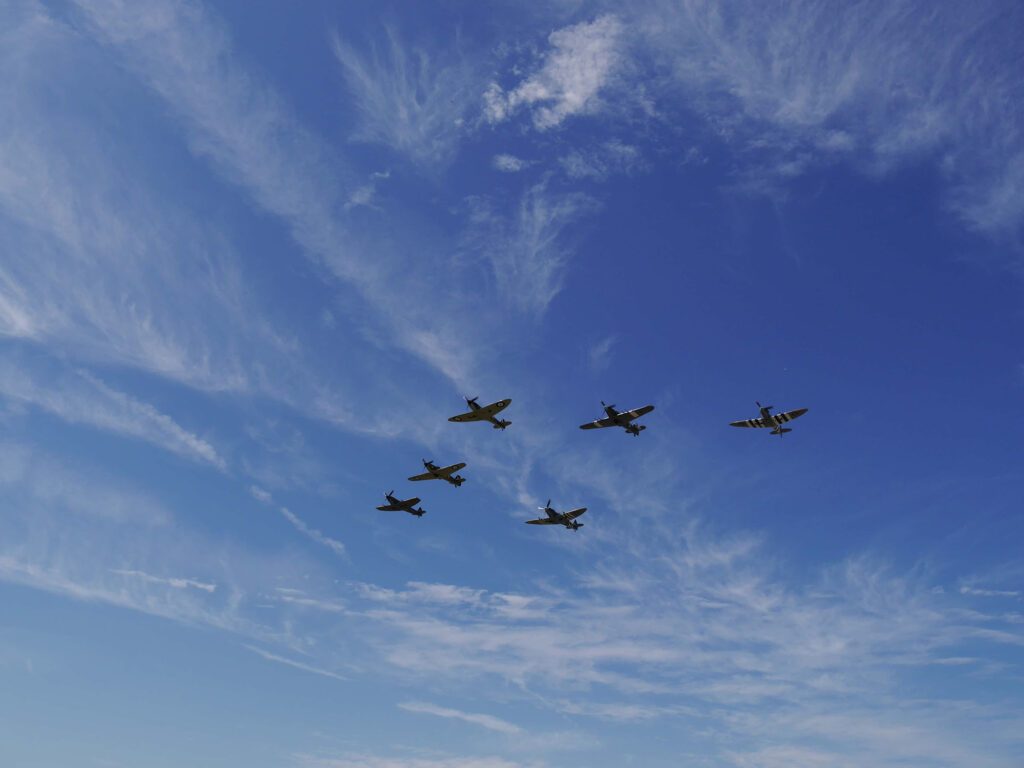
{"x": 749, "y": 423}
{"x": 453, "y": 468}
{"x": 493, "y": 408}
{"x": 790, "y": 415}
{"x": 411, "y": 502}
{"x": 636, "y": 414}
{"x": 471, "y": 416}
{"x": 574, "y": 514}
{"x": 541, "y": 521}
{"x": 598, "y": 424}
{"x": 424, "y": 476}
{"x": 389, "y": 508}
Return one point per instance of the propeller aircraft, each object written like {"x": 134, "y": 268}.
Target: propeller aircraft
{"x": 397, "y": 505}
{"x": 768, "y": 419}
{"x": 620, "y": 419}
{"x": 568, "y": 519}
{"x": 483, "y": 413}
{"x": 435, "y": 472}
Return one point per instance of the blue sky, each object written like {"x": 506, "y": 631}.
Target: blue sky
{"x": 253, "y": 254}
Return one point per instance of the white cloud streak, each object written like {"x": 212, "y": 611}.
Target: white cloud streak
{"x": 296, "y": 664}
{"x": 78, "y": 397}
{"x": 177, "y": 583}
{"x": 332, "y": 544}
{"x": 487, "y": 721}
{"x": 378, "y": 761}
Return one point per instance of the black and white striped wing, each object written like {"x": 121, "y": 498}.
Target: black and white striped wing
{"x": 542, "y": 521}
{"x": 637, "y": 413}
{"x": 598, "y": 424}
{"x": 749, "y": 423}
{"x": 782, "y": 418}
{"x": 574, "y": 514}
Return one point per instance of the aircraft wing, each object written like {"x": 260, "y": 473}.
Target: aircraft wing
{"x": 636, "y": 414}
{"x": 390, "y": 508}
{"x": 484, "y": 413}
{"x": 574, "y": 514}
{"x": 471, "y": 416}
{"x": 447, "y": 471}
{"x": 609, "y": 422}
{"x": 749, "y": 423}
{"x": 424, "y": 476}
{"x": 790, "y": 415}
{"x": 542, "y": 521}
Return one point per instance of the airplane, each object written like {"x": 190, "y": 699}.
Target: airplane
{"x": 441, "y": 473}
{"x": 397, "y": 505}
{"x": 620, "y": 419}
{"x": 486, "y": 413}
{"x": 768, "y": 419}
{"x": 567, "y": 519}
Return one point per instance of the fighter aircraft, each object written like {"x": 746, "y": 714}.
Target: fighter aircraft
{"x": 397, "y": 505}
{"x": 441, "y": 473}
{"x": 768, "y": 419}
{"x": 553, "y": 518}
{"x": 486, "y": 413}
{"x": 620, "y": 419}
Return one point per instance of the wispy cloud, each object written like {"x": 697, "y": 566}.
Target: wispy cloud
{"x": 965, "y": 590}
{"x": 377, "y": 761}
{"x": 118, "y": 272}
{"x": 487, "y": 721}
{"x": 366, "y": 194}
{"x": 332, "y": 544}
{"x": 177, "y": 583}
{"x": 527, "y": 251}
{"x": 260, "y": 494}
{"x": 78, "y": 397}
{"x": 879, "y": 84}
{"x": 602, "y": 161}
{"x": 408, "y": 99}
{"x": 250, "y": 136}
{"x": 508, "y": 163}
{"x": 582, "y": 59}
{"x": 292, "y": 663}
{"x": 28, "y": 475}
{"x": 599, "y": 355}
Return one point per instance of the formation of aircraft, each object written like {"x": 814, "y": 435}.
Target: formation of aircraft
{"x": 613, "y": 418}
{"x": 568, "y": 519}
{"x": 435, "y": 472}
{"x": 477, "y": 412}
{"x": 622, "y": 419}
{"x": 398, "y": 505}
{"x": 770, "y": 420}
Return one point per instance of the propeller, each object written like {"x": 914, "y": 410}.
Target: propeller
{"x": 546, "y": 507}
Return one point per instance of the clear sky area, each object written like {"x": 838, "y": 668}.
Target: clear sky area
{"x": 254, "y": 254}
